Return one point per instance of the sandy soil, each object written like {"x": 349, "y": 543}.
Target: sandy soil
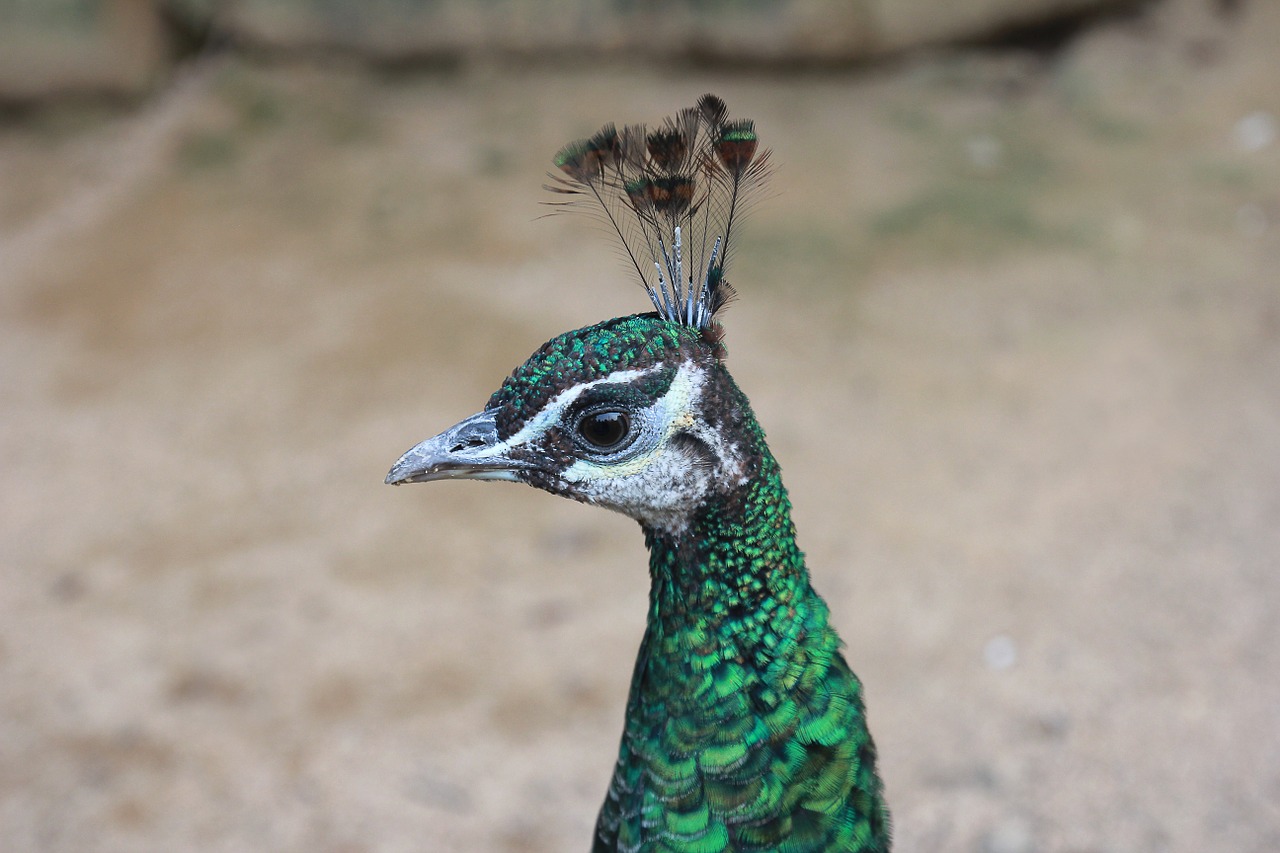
{"x": 1013, "y": 326}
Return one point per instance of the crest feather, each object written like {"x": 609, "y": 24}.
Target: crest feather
{"x": 672, "y": 194}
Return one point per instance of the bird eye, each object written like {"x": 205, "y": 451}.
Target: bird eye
{"x": 604, "y": 430}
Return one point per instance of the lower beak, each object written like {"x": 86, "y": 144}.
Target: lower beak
{"x": 469, "y": 450}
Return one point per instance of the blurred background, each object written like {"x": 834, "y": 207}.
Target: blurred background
{"x": 1011, "y": 317}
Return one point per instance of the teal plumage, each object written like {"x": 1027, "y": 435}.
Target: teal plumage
{"x": 745, "y": 728}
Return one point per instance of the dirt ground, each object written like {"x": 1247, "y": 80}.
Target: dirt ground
{"x": 1012, "y": 322}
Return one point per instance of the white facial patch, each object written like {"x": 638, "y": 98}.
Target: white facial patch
{"x": 660, "y": 482}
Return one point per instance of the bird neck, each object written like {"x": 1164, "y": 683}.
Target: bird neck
{"x": 730, "y": 595}
{"x": 745, "y": 727}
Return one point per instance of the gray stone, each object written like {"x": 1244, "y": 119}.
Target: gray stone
{"x": 905, "y": 24}
{"x": 784, "y": 31}
{"x": 50, "y": 47}
{"x": 119, "y": 46}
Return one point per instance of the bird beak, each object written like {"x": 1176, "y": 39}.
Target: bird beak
{"x": 469, "y": 450}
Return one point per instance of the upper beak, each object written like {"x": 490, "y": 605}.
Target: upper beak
{"x": 468, "y": 450}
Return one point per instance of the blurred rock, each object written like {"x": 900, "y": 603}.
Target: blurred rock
{"x": 50, "y": 47}
{"x": 904, "y": 24}
{"x": 786, "y": 31}
{"x": 409, "y": 29}
{"x": 121, "y": 46}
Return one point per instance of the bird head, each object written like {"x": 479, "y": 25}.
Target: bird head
{"x": 636, "y": 414}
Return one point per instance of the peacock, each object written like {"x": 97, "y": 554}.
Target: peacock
{"x": 745, "y": 728}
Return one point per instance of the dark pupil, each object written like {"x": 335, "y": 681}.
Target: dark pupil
{"x": 604, "y": 429}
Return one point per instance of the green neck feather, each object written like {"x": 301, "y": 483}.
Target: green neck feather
{"x": 745, "y": 727}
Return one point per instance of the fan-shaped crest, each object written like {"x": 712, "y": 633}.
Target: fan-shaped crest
{"x": 672, "y": 194}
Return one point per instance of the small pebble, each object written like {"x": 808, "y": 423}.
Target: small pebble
{"x": 1256, "y": 131}
{"x": 1000, "y": 653}
{"x": 1053, "y": 724}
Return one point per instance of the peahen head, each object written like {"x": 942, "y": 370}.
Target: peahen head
{"x": 745, "y": 727}
{"x": 635, "y": 414}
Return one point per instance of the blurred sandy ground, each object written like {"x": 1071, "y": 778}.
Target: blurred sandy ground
{"x": 1013, "y": 326}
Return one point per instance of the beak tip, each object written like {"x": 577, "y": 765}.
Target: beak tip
{"x": 469, "y": 450}
{"x": 401, "y": 473}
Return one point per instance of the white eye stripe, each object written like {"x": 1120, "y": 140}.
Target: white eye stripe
{"x": 659, "y": 420}
{"x": 556, "y": 406}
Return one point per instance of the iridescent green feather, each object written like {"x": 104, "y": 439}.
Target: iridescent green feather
{"x": 745, "y": 727}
